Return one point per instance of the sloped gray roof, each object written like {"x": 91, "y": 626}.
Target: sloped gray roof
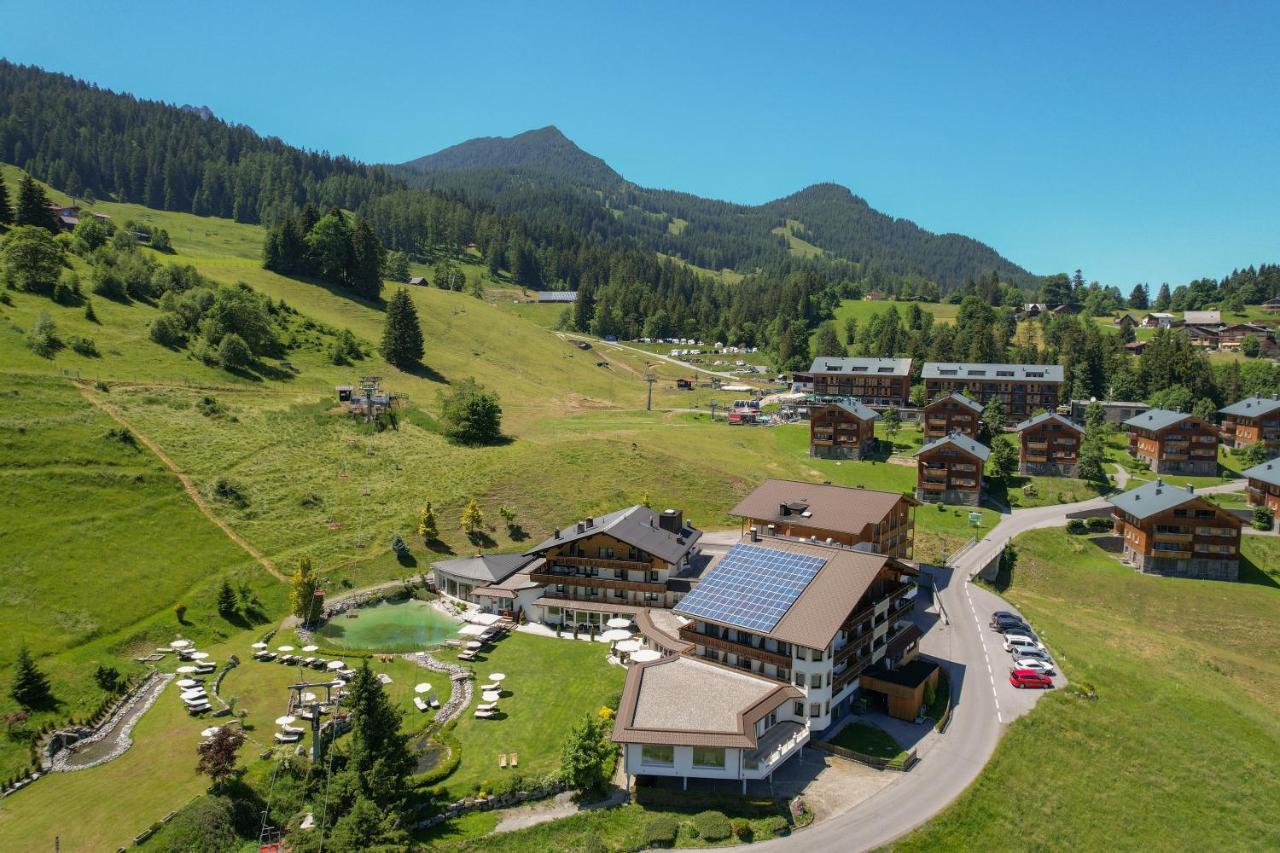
{"x": 489, "y": 568}
{"x": 959, "y": 440}
{"x": 859, "y": 411}
{"x": 1047, "y": 416}
{"x": 962, "y": 399}
{"x": 862, "y": 366}
{"x": 1155, "y": 419}
{"x": 1253, "y": 407}
{"x": 1267, "y": 472}
{"x": 637, "y": 526}
{"x": 1151, "y": 498}
{"x": 983, "y": 372}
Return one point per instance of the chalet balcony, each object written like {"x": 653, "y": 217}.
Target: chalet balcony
{"x": 1173, "y": 537}
{"x": 1037, "y": 457}
{"x": 965, "y": 467}
{"x": 580, "y": 580}
{"x": 841, "y": 679}
{"x": 933, "y": 486}
{"x": 937, "y": 422}
{"x": 601, "y": 562}
{"x": 964, "y": 484}
{"x": 1172, "y": 555}
{"x": 689, "y": 634}
{"x": 1038, "y": 445}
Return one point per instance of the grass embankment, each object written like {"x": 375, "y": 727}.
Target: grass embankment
{"x": 870, "y": 740}
{"x": 1182, "y": 741}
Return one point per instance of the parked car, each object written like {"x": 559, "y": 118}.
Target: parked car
{"x": 1035, "y": 665}
{"x": 1003, "y": 625}
{"x": 1029, "y": 678}
{"x": 1004, "y": 614}
{"x": 1015, "y": 644}
{"x": 1035, "y": 654}
{"x": 1025, "y": 638}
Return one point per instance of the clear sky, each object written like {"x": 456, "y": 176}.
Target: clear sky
{"x": 1139, "y": 141}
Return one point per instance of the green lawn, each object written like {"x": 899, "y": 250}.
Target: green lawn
{"x": 864, "y": 310}
{"x": 870, "y": 740}
{"x": 551, "y": 683}
{"x": 1187, "y": 676}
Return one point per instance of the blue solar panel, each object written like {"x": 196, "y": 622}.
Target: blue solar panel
{"x": 751, "y": 587}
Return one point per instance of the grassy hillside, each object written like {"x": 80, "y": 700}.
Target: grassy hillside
{"x": 797, "y": 245}
{"x": 863, "y": 310}
{"x": 1183, "y": 741}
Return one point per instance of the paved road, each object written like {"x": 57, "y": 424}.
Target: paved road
{"x": 985, "y": 702}
{"x": 659, "y": 356}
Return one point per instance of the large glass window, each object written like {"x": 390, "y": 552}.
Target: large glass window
{"x": 657, "y": 756}
{"x": 706, "y": 756}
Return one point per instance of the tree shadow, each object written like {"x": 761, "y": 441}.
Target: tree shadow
{"x": 1251, "y": 573}
{"x": 480, "y": 538}
{"x": 406, "y": 559}
{"x": 517, "y": 533}
{"x": 424, "y": 371}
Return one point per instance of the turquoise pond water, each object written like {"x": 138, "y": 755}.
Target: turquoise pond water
{"x": 402, "y": 626}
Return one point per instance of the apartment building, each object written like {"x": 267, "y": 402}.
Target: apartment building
{"x": 953, "y": 412}
{"x": 1264, "y": 485}
{"x": 874, "y": 381}
{"x": 1174, "y": 442}
{"x": 1253, "y": 420}
{"x": 844, "y": 430}
{"x": 1168, "y": 530}
{"x": 1021, "y": 388}
{"x": 615, "y": 565}
{"x": 1049, "y": 446}
{"x": 823, "y": 513}
{"x": 949, "y": 470}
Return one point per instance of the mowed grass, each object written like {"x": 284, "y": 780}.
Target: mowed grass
{"x": 863, "y": 310}
{"x": 1183, "y": 741}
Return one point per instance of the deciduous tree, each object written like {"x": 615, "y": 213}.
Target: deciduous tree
{"x": 218, "y": 755}
{"x": 32, "y": 259}
{"x": 471, "y": 414}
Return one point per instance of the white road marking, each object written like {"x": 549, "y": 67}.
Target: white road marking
{"x": 995, "y": 694}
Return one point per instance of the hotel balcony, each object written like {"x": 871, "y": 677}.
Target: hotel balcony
{"x": 1037, "y": 457}
{"x": 773, "y": 748}
{"x": 1172, "y": 555}
{"x": 601, "y": 562}
{"x": 689, "y": 634}
{"x": 581, "y": 580}
{"x": 1038, "y": 445}
{"x": 933, "y": 486}
{"x": 1173, "y": 537}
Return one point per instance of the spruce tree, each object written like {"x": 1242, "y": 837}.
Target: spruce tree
{"x": 30, "y": 686}
{"x": 379, "y": 752}
{"x": 33, "y": 206}
{"x": 226, "y": 599}
{"x": 402, "y": 334}
{"x": 367, "y": 259}
{"x": 6, "y": 210}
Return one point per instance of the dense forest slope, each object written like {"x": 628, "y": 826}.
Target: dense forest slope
{"x": 545, "y": 151}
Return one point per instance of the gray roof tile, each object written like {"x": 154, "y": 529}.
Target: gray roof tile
{"x": 862, "y": 366}
{"x": 637, "y": 526}
{"x": 1156, "y": 419}
{"x": 959, "y": 440}
{"x": 991, "y": 372}
{"x": 1151, "y": 498}
{"x": 1252, "y": 407}
{"x": 1267, "y": 472}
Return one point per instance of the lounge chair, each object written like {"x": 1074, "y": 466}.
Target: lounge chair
{"x": 308, "y": 661}
{"x": 515, "y": 760}
{"x": 199, "y": 709}
{"x": 419, "y": 704}
{"x": 502, "y": 760}
{"x": 435, "y": 703}
{"x": 466, "y": 655}
{"x": 484, "y": 715}
{"x": 287, "y": 737}
{"x": 485, "y": 688}
{"x": 293, "y": 730}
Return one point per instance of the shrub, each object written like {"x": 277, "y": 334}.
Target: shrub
{"x": 229, "y": 491}
{"x": 660, "y": 830}
{"x": 742, "y": 831}
{"x": 234, "y": 353}
{"x": 209, "y": 406}
{"x": 1262, "y": 519}
{"x": 1076, "y": 525}
{"x": 1099, "y": 522}
{"x": 84, "y": 346}
{"x": 712, "y": 825}
{"x": 43, "y": 338}
{"x": 775, "y": 825}
{"x": 168, "y": 330}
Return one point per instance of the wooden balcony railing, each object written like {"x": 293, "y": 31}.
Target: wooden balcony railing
{"x": 601, "y": 562}
{"x": 689, "y": 634}
{"x": 549, "y": 578}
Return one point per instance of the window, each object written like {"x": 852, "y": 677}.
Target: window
{"x": 654, "y": 755}
{"x": 653, "y": 576}
{"x": 799, "y": 679}
{"x": 606, "y": 552}
{"x": 705, "y": 756}
{"x": 815, "y": 709}
{"x": 815, "y": 680}
{"x": 798, "y": 709}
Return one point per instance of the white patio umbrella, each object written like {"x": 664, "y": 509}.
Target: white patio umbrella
{"x": 498, "y": 676}
{"x": 186, "y": 682}
{"x": 618, "y": 622}
{"x": 614, "y": 635}
{"x": 490, "y": 696}
{"x": 179, "y": 644}
{"x": 422, "y": 688}
{"x": 629, "y": 646}
{"x": 311, "y": 648}
{"x": 645, "y": 655}
{"x": 286, "y": 720}
{"x": 308, "y": 697}
{"x": 336, "y": 664}
{"x": 258, "y": 645}
{"x": 199, "y": 655}
{"x": 284, "y": 648}
{"x": 474, "y": 644}
{"x": 185, "y": 669}
{"x": 211, "y": 731}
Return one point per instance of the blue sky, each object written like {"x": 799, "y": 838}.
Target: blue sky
{"x": 1138, "y": 141}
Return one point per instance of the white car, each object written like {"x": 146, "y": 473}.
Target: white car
{"x": 1014, "y": 642}
{"x": 1043, "y": 667}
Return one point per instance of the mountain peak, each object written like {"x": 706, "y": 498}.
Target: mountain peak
{"x": 545, "y": 150}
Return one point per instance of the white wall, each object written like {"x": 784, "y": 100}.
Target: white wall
{"x": 683, "y": 765}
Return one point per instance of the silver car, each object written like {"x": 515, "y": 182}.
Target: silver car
{"x": 1040, "y": 666}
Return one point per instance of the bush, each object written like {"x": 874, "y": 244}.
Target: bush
{"x": 1263, "y": 519}
{"x": 85, "y": 346}
{"x": 742, "y": 831}
{"x": 234, "y": 353}
{"x": 712, "y": 825}
{"x": 43, "y": 338}
{"x": 660, "y": 831}
{"x": 1099, "y": 523}
{"x": 168, "y": 330}
{"x": 229, "y": 491}
{"x": 1076, "y": 525}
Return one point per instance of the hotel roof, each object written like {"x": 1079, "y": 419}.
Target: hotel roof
{"x": 858, "y": 410}
{"x": 840, "y": 509}
{"x": 1152, "y": 498}
{"x": 487, "y": 568}
{"x": 1157, "y": 419}
{"x": 1048, "y": 416}
{"x": 637, "y": 526}
{"x": 961, "y": 441}
{"x": 1005, "y": 372}
{"x": 862, "y": 366}
{"x": 958, "y": 397}
{"x": 1252, "y": 407}
{"x": 1267, "y": 472}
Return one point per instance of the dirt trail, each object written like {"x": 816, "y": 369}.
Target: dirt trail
{"x": 188, "y": 486}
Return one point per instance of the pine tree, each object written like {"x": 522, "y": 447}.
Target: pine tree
{"x": 427, "y": 524}
{"x": 367, "y": 260}
{"x": 1163, "y": 298}
{"x": 379, "y": 751}
{"x": 6, "y": 210}
{"x": 401, "y": 333}
{"x": 226, "y": 599}
{"x": 302, "y": 592}
{"x": 30, "y": 686}
{"x": 827, "y": 342}
{"x": 472, "y": 516}
{"x": 33, "y": 206}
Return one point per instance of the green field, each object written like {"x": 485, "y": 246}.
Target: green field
{"x": 863, "y": 310}
{"x": 1186, "y": 674}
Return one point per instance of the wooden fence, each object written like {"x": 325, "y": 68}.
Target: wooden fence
{"x": 877, "y": 762}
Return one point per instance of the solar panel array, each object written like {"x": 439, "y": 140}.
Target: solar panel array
{"x": 751, "y": 587}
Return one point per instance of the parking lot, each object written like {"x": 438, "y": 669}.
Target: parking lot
{"x": 1011, "y": 702}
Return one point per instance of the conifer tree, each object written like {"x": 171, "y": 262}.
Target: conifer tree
{"x": 6, "y": 210}
{"x": 367, "y": 259}
{"x": 226, "y": 599}
{"x": 427, "y": 524}
{"x": 472, "y": 516}
{"x": 402, "y": 334}
{"x": 30, "y": 686}
{"x": 33, "y": 206}
{"x": 302, "y": 593}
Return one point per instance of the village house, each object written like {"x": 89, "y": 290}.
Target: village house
{"x": 1272, "y": 305}
{"x": 1125, "y": 320}
{"x": 780, "y": 637}
{"x": 841, "y": 430}
{"x": 953, "y": 412}
{"x": 1159, "y": 320}
{"x": 1202, "y": 336}
{"x": 499, "y": 583}
{"x": 1021, "y": 388}
{"x": 615, "y": 565}
{"x": 1049, "y": 446}
{"x": 1202, "y": 318}
{"x": 881, "y": 521}
{"x": 1135, "y": 347}
{"x": 1113, "y": 411}
{"x": 1031, "y": 310}
{"x": 875, "y": 296}
{"x": 1264, "y": 485}
{"x": 1231, "y": 337}
{"x": 557, "y": 296}
{"x": 949, "y": 470}
{"x": 874, "y": 381}
{"x": 1253, "y": 420}
{"x": 1169, "y": 530}
{"x": 418, "y": 280}
{"x": 1174, "y": 442}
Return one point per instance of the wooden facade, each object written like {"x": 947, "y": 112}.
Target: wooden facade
{"x": 1196, "y": 539}
{"x": 1241, "y": 429}
{"x": 1049, "y": 447}
{"x": 948, "y": 474}
{"x": 951, "y": 413}
{"x": 1021, "y": 388}
{"x": 841, "y": 432}
{"x": 1188, "y": 446}
{"x": 874, "y": 381}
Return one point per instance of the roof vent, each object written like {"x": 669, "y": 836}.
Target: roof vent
{"x": 556, "y": 533}
{"x": 755, "y": 535}
{"x": 589, "y": 521}
{"x": 1191, "y": 490}
{"x": 581, "y": 526}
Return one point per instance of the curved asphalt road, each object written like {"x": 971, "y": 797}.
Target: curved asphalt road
{"x": 984, "y": 701}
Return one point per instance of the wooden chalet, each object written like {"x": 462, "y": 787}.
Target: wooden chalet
{"x": 841, "y": 430}
{"x": 1049, "y": 446}
{"x": 1264, "y": 486}
{"x": 1250, "y": 421}
{"x": 1174, "y": 442}
{"x": 949, "y": 470}
{"x": 953, "y": 412}
{"x": 1170, "y": 530}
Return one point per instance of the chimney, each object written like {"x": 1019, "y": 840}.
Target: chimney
{"x": 671, "y": 520}
{"x": 556, "y": 534}
{"x": 581, "y": 526}
{"x": 589, "y": 521}
{"x": 784, "y": 510}
{"x": 1191, "y": 490}
{"x": 755, "y": 535}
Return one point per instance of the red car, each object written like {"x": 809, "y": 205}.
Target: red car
{"x": 1029, "y": 678}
